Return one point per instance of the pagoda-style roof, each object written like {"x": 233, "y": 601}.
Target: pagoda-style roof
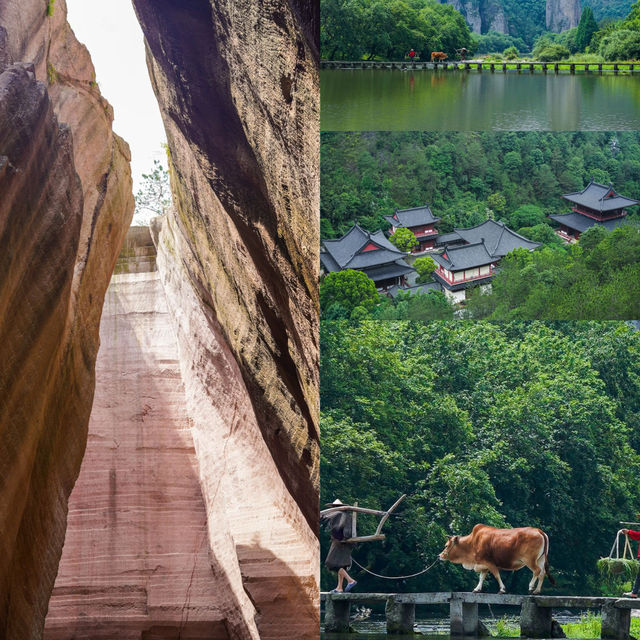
{"x": 497, "y": 237}
{"x": 467, "y": 256}
{"x": 416, "y": 217}
{"x": 424, "y": 287}
{"x": 393, "y": 270}
{"x": 449, "y": 238}
{"x": 359, "y": 249}
{"x": 581, "y": 223}
{"x": 600, "y": 197}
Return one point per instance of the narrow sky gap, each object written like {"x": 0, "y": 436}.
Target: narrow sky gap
{"x": 115, "y": 42}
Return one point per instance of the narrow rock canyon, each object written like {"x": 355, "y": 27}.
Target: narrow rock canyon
{"x": 195, "y": 511}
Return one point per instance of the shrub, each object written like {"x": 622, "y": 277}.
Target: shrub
{"x": 622, "y": 44}
{"x": 511, "y": 53}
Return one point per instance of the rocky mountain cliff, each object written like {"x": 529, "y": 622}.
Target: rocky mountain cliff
{"x": 243, "y": 133}
{"x": 562, "y": 14}
{"x": 227, "y": 454}
{"x": 483, "y": 15}
{"x": 139, "y": 558}
{"x": 496, "y": 15}
{"x": 65, "y": 205}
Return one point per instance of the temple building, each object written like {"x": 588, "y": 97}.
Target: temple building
{"x": 470, "y": 256}
{"x": 596, "y": 204}
{"x": 371, "y": 253}
{"x": 420, "y": 221}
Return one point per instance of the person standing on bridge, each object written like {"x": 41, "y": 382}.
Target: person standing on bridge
{"x": 412, "y": 54}
{"x": 339, "y": 556}
{"x": 634, "y": 535}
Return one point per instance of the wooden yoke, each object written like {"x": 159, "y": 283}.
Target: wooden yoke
{"x": 355, "y": 509}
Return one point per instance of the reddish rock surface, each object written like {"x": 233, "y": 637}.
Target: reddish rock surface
{"x": 237, "y": 83}
{"x": 136, "y": 551}
{"x": 147, "y": 550}
{"x": 65, "y": 204}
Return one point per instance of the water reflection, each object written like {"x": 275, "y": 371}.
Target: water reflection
{"x": 378, "y": 99}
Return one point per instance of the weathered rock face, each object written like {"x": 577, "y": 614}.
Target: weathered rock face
{"x": 482, "y": 16}
{"x": 148, "y": 553}
{"x": 563, "y": 14}
{"x": 237, "y": 85}
{"x": 136, "y": 551}
{"x": 65, "y": 203}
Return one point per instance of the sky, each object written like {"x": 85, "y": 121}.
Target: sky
{"x": 115, "y": 42}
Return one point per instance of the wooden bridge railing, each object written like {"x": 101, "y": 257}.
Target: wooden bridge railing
{"x": 479, "y": 65}
{"x": 535, "y": 611}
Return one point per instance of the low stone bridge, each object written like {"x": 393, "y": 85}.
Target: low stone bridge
{"x": 491, "y": 67}
{"x": 536, "y": 619}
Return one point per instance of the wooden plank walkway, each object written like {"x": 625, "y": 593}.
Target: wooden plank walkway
{"x": 535, "y": 611}
{"x": 491, "y": 67}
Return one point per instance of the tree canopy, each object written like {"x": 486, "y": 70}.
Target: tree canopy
{"x": 517, "y": 424}
{"x": 388, "y": 29}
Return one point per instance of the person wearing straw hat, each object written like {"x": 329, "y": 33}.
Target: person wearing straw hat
{"x": 634, "y": 535}
{"x": 339, "y": 556}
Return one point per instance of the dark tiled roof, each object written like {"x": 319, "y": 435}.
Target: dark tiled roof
{"x": 449, "y": 238}
{"x": 600, "y": 197}
{"x": 328, "y": 263}
{"x": 462, "y": 285}
{"x": 416, "y": 288}
{"x": 497, "y": 237}
{"x": 467, "y": 256}
{"x": 412, "y": 217}
{"x": 393, "y": 270}
{"x": 581, "y": 223}
{"x": 346, "y": 251}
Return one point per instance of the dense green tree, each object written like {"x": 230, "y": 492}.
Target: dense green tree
{"x": 586, "y": 28}
{"x": 349, "y": 289}
{"x": 425, "y": 267}
{"x": 621, "y": 44}
{"x": 493, "y": 42}
{"x": 404, "y": 239}
{"x": 509, "y": 424}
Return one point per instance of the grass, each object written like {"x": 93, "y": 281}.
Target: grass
{"x": 50, "y": 4}
{"x": 587, "y": 627}
{"x": 52, "y": 74}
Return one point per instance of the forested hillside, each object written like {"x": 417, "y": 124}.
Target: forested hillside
{"x": 517, "y": 177}
{"x": 507, "y": 424}
{"x": 387, "y": 29}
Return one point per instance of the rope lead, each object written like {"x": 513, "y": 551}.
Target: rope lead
{"x": 413, "y": 575}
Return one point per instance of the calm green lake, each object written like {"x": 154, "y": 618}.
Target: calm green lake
{"x": 377, "y": 99}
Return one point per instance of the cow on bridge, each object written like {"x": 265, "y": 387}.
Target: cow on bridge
{"x": 438, "y": 56}
{"x": 487, "y": 549}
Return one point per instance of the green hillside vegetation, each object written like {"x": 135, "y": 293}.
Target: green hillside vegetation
{"x": 518, "y": 424}
{"x": 388, "y": 29}
{"x": 598, "y": 279}
{"x": 516, "y": 177}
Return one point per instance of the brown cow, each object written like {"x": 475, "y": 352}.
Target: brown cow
{"x": 489, "y": 549}
{"x": 438, "y": 56}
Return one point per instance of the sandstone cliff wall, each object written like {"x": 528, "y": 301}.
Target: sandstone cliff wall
{"x": 237, "y": 85}
{"x": 65, "y": 203}
{"x": 148, "y": 552}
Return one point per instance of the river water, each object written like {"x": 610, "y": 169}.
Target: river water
{"x": 373, "y": 628}
{"x": 377, "y": 99}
